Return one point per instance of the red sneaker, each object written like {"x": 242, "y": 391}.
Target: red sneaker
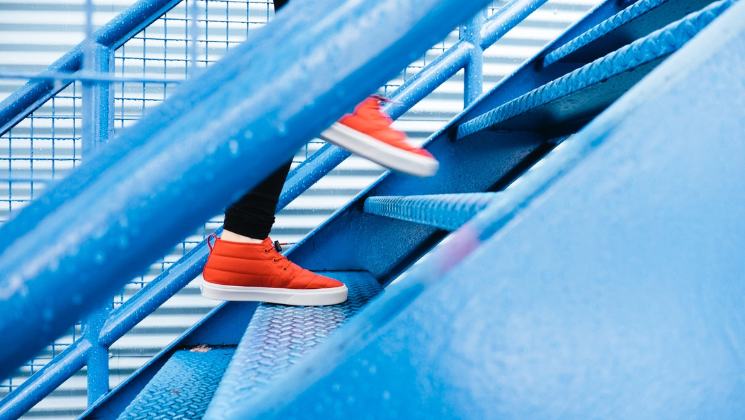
{"x": 368, "y": 133}
{"x": 257, "y": 272}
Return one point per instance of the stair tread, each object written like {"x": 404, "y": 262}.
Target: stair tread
{"x": 443, "y": 211}
{"x": 183, "y": 387}
{"x": 636, "y": 21}
{"x": 279, "y": 336}
{"x": 589, "y": 89}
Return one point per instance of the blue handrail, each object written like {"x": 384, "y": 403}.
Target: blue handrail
{"x": 172, "y": 280}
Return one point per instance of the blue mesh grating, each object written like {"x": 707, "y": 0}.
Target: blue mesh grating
{"x": 183, "y": 387}
{"x": 278, "y": 338}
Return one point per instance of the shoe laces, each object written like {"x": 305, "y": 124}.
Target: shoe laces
{"x": 279, "y": 257}
{"x": 384, "y": 99}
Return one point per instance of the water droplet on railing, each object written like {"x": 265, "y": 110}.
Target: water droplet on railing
{"x": 233, "y": 145}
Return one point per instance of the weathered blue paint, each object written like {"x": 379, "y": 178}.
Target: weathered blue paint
{"x": 443, "y": 211}
{"x": 608, "y": 284}
{"x": 572, "y": 97}
{"x": 623, "y": 28}
{"x": 24, "y": 101}
{"x": 58, "y": 263}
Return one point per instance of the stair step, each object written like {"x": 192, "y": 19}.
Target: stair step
{"x": 443, "y": 211}
{"x": 183, "y": 387}
{"x": 583, "y": 93}
{"x": 632, "y": 23}
{"x": 279, "y": 336}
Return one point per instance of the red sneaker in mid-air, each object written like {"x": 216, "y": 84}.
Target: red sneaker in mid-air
{"x": 367, "y": 132}
{"x": 257, "y": 272}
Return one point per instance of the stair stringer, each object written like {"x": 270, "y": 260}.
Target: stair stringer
{"x": 607, "y": 284}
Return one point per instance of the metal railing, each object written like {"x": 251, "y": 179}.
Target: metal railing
{"x": 84, "y": 77}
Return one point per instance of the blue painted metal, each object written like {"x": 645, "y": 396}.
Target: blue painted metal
{"x": 474, "y": 77}
{"x": 183, "y": 387}
{"x": 24, "y": 101}
{"x": 211, "y": 330}
{"x": 300, "y": 179}
{"x": 571, "y": 98}
{"x": 245, "y": 120}
{"x": 502, "y": 26}
{"x": 97, "y": 355}
{"x": 461, "y": 171}
{"x": 443, "y": 211}
{"x": 97, "y": 100}
{"x": 279, "y": 337}
{"x": 504, "y": 19}
{"x": 118, "y": 322}
{"x": 173, "y": 279}
{"x": 608, "y": 285}
{"x": 634, "y": 22}
{"x": 72, "y": 359}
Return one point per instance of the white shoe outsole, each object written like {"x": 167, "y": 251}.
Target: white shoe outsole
{"x": 294, "y": 297}
{"x": 379, "y": 152}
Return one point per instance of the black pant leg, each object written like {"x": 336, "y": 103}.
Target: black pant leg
{"x": 253, "y": 214}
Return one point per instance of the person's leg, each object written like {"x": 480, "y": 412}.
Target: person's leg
{"x": 244, "y": 265}
{"x": 250, "y": 219}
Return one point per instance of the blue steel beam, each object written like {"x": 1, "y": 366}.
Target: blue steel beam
{"x": 112, "y": 35}
{"x": 634, "y": 22}
{"x": 235, "y": 130}
{"x": 587, "y": 90}
{"x": 607, "y": 285}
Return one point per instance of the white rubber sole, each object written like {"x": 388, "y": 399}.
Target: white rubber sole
{"x": 294, "y": 297}
{"x": 379, "y": 152}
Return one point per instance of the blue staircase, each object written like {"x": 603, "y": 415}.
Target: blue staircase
{"x": 593, "y": 268}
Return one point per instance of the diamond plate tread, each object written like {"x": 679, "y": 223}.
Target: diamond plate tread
{"x": 183, "y": 387}
{"x": 278, "y": 337}
{"x": 641, "y": 14}
{"x": 653, "y": 47}
{"x": 443, "y": 211}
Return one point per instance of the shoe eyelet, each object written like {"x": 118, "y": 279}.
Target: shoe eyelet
{"x": 274, "y": 259}
{"x": 284, "y": 269}
{"x": 266, "y": 251}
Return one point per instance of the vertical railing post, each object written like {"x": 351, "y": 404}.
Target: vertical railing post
{"x": 97, "y": 128}
{"x": 97, "y": 114}
{"x": 474, "y": 70}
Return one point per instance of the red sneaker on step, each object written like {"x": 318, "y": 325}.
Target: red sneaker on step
{"x": 257, "y": 272}
{"x": 368, "y": 133}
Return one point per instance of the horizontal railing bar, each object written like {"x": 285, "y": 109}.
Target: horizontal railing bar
{"x": 167, "y": 284}
{"x": 46, "y": 380}
{"x": 85, "y": 77}
{"x": 505, "y": 19}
